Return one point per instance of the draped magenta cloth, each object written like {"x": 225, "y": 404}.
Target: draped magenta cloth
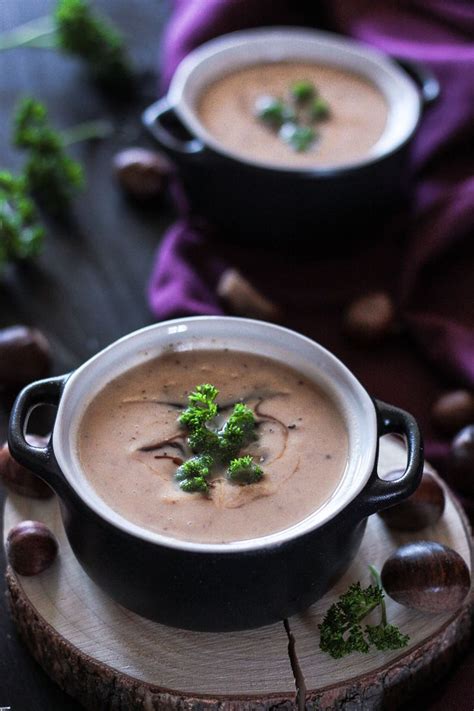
{"x": 423, "y": 257}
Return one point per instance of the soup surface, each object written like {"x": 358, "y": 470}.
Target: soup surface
{"x": 130, "y": 444}
{"x": 359, "y": 112}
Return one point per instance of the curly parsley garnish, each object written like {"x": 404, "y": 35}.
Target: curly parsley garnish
{"x": 212, "y": 445}
{"x": 342, "y": 631}
{"x": 297, "y": 118}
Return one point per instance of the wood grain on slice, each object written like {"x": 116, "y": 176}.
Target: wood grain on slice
{"x": 163, "y": 656}
{"x": 108, "y": 657}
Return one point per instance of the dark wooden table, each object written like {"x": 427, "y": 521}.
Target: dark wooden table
{"x": 88, "y": 288}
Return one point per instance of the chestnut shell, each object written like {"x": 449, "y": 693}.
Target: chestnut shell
{"x": 25, "y": 355}
{"x": 423, "y": 508}
{"x": 461, "y": 461}
{"x": 453, "y": 411}
{"x": 370, "y": 318}
{"x": 31, "y": 547}
{"x": 426, "y": 576}
{"x": 19, "y": 479}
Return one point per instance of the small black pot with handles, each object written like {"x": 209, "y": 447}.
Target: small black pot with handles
{"x": 216, "y": 586}
{"x": 256, "y": 202}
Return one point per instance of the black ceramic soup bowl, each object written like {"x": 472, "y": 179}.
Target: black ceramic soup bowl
{"x": 216, "y": 586}
{"x": 251, "y": 200}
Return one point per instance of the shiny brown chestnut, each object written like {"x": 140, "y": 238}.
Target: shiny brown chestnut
{"x": 31, "y": 547}
{"x": 243, "y": 299}
{"x": 423, "y": 508}
{"x": 142, "y": 173}
{"x": 25, "y": 355}
{"x": 19, "y": 479}
{"x": 426, "y": 576}
{"x": 370, "y": 319}
{"x": 453, "y": 411}
{"x": 461, "y": 461}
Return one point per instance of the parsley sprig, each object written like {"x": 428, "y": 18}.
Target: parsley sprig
{"x": 244, "y": 470}
{"x": 212, "y": 445}
{"x": 342, "y": 632}
{"x": 79, "y": 30}
{"x": 50, "y": 174}
{"x": 21, "y": 236}
{"x": 296, "y": 120}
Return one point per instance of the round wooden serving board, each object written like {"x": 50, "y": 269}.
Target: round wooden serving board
{"x": 109, "y": 658}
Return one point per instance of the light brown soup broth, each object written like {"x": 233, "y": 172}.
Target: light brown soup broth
{"x": 302, "y": 446}
{"x": 359, "y": 112}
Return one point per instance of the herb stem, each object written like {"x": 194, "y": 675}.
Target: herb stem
{"x": 39, "y": 33}
{"x": 87, "y": 131}
{"x": 378, "y": 581}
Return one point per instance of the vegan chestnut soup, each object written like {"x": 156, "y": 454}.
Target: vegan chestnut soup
{"x": 130, "y": 444}
{"x": 358, "y": 113}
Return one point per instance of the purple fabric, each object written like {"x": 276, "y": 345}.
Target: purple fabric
{"x": 424, "y": 259}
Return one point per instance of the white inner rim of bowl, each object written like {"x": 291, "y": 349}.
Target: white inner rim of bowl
{"x": 240, "y": 49}
{"x": 215, "y": 332}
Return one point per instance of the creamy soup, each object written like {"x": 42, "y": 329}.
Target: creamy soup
{"x": 359, "y": 111}
{"x": 130, "y": 445}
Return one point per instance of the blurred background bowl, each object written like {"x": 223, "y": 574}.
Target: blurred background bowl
{"x": 252, "y": 200}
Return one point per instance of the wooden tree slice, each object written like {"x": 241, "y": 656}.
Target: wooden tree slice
{"x": 110, "y": 658}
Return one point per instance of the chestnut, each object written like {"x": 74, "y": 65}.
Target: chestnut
{"x": 453, "y": 410}
{"x": 423, "y": 508}
{"x": 370, "y": 319}
{"x": 243, "y": 299}
{"x": 25, "y": 355}
{"x": 426, "y": 576}
{"x": 31, "y": 547}
{"x": 460, "y": 465}
{"x": 19, "y": 479}
{"x": 142, "y": 173}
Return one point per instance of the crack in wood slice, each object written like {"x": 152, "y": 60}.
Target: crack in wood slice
{"x": 97, "y": 685}
{"x": 296, "y": 668}
{"x": 109, "y": 658}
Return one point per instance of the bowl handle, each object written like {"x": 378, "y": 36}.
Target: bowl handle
{"x": 425, "y": 79}
{"x": 40, "y": 460}
{"x": 378, "y": 493}
{"x": 155, "y": 118}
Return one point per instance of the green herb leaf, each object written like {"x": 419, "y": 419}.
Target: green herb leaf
{"x": 300, "y": 138}
{"x": 237, "y": 432}
{"x": 201, "y": 410}
{"x": 302, "y": 91}
{"x": 244, "y": 471}
{"x": 21, "y": 236}
{"x": 273, "y": 112}
{"x": 50, "y": 173}
{"x": 341, "y": 631}
{"x": 203, "y": 440}
{"x": 196, "y": 467}
{"x": 211, "y": 445}
{"x": 85, "y": 33}
{"x": 319, "y": 109}
{"x": 385, "y": 637}
{"x": 77, "y": 29}
{"x": 195, "y": 485}
{"x": 202, "y": 407}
